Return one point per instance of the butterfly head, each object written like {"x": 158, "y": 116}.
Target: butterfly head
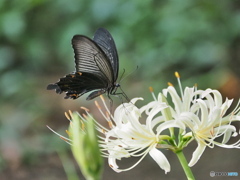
{"x": 117, "y": 85}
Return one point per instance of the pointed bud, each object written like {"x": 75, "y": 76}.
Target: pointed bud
{"x": 85, "y": 147}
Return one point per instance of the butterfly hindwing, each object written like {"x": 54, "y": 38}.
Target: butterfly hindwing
{"x": 77, "y": 84}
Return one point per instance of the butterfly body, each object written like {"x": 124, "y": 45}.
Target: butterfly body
{"x": 96, "y": 65}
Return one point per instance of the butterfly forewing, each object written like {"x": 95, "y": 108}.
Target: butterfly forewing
{"x": 91, "y": 59}
{"x": 104, "y": 39}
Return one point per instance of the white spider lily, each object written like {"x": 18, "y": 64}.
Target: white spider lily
{"x": 208, "y": 121}
{"x": 204, "y": 113}
{"x": 128, "y": 137}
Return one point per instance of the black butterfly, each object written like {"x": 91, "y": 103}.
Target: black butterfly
{"x": 97, "y": 65}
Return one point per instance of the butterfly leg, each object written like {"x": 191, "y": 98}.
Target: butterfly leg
{"x": 111, "y": 103}
{"x": 111, "y": 100}
{"x": 124, "y": 94}
{"x": 121, "y": 93}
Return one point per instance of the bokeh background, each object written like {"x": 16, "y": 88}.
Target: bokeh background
{"x": 200, "y": 39}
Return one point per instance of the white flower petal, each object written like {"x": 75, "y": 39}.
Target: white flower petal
{"x": 197, "y": 154}
{"x": 134, "y": 100}
{"x": 170, "y": 124}
{"x": 158, "y": 108}
{"x": 190, "y": 118}
{"x": 148, "y": 107}
{"x": 160, "y": 159}
{"x": 214, "y": 117}
{"x": 226, "y": 105}
{"x": 187, "y": 98}
{"x": 175, "y": 99}
{"x": 112, "y": 163}
{"x": 157, "y": 121}
{"x": 124, "y": 113}
{"x": 227, "y": 131}
{"x": 204, "y": 112}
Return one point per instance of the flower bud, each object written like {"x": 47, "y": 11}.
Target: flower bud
{"x": 85, "y": 147}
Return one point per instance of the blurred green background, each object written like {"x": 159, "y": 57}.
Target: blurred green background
{"x": 200, "y": 39}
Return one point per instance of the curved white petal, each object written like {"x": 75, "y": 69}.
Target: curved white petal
{"x": 157, "y": 121}
{"x": 124, "y": 113}
{"x": 227, "y": 131}
{"x": 112, "y": 163}
{"x": 190, "y": 118}
{"x": 175, "y": 98}
{"x": 148, "y": 107}
{"x": 170, "y": 124}
{"x": 214, "y": 117}
{"x": 158, "y": 108}
{"x": 187, "y": 98}
{"x": 204, "y": 112}
{"x": 197, "y": 154}
{"x": 134, "y": 100}
{"x": 160, "y": 159}
{"x": 226, "y": 105}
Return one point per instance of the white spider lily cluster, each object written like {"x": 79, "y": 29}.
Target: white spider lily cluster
{"x": 171, "y": 121}
{"x": 205, "y": 115}
{"x": 199, "y": 115}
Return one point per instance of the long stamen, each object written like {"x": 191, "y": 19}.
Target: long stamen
{"x": 110, "y": 124}
{"x": 62, "y": 137}
{"x": 170, "y": 84}
{"x": 68, "y": 133}
{"x": 179, "y": 83}
{"x": 195, "y": 89}
{"x": 237, "y": 108}
{"x": 85, "y": 109}
{"x": 104, "y": 103}
{"x": 67, "y": 116}
{"x": 99, "y": 127}
{"x": 100, "y": 109}
{"x": 153, "y": 95}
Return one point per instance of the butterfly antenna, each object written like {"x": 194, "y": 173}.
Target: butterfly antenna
{"x": 121, "y": 79}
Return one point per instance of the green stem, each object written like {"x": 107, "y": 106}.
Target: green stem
{"x": 185, "y": 166}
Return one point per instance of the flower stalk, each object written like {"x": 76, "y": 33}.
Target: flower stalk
{"x": 185, "y": 166}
